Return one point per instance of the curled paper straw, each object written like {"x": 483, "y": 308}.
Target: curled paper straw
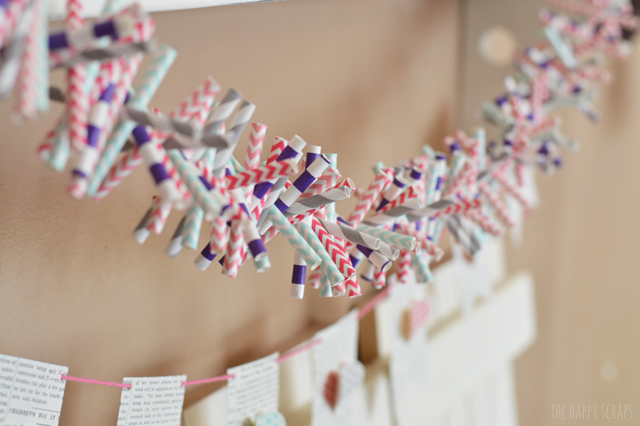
{"x": 298, "y": 276}
{"x": 394, "y": 239}
{"x": 423, "y": 271}
{"x": 404, "y": 266}
{"x": 28, "y": 86}
{"x": 334, "y": 248}
{"x": 219, "y": 234}
{"x": 395, "y": 189}
{"x": 408, "y": 206}
{"x": 152, "y": 78}
{"x": 346, "y": 232}
{"x": 353, "y": 287}
{"x": 175, "y": 244}
{"x": 238, "y": 123}
{"x": 316, "y": 202}
{"x": 307, "y": 253}
{"x": 254, "y": 149}
{"x": 159, "y": 215}
{"x": 324, "y": 183}
{"x": 191, "y": 229}
{"x": 235, "y": 249}
{"x": 380, "y": 261}
{"x": 379, "y": 279}
{"x": 328, "y": 267}
{"x": 259, "y": 174}
{"x": 330, "y": 209}
{"x": 369, "y": 197}
{"x": 302, "y": 183}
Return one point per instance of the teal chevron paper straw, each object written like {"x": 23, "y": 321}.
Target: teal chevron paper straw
{"x": 207, "y": 201}
{"x": 151, "y": 80}
{"x": 262, "y": 265}
{"x": 294, "y": 238}
{"x": 327, "y": 266}
{"x": 394, "y": 239}
{"x": 191, "y": 227}
{"x": 325, "y": 287}
{"x": 60, "y": 146}
{"x": 423, "y": 271}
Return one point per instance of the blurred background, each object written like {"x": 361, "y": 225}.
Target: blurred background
{"x": 370, "y": 80}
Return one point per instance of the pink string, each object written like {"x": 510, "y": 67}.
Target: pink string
{"x": 94, "y": 382}
{"x": 365, "y": 310}
{"x": 372, "y": 304}
{"x": 301, "y": 349}
{"x": 210, "y": 380}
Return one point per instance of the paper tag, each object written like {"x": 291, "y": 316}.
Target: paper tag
{"x": 31, "y": 392}
{"x": 407, "y": 361}
{"x": 255, "y": 389}
{"x": 337, "y": 350}
{"x": 472, "y": 276}
{"x": 152, "y": 401}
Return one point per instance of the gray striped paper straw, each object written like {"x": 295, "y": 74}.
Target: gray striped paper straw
{"x": 346, "y": 232}
{"x": 394, "y": 239}
{"x": 409, "y": 206}
{"x": 380, "y": 262}
{"x": 463, "y": 234}
{"x": 175, "y": 245}
{"x": 387, "y": 251}
{"x": 318, "y": 201}
{"x": 156, "y": 121}
{"x": 395, "y": 189}
{"x": 239, "y": 122}
{"x": 429, "y": 210}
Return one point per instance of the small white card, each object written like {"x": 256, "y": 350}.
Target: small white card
{"x": 254, "y": 389}
{"x": 152, "y": 401}
{"x": 472, "y": 276}
{"x": 338, "y": 373}
{"x": 31, "y": 392}
{"x": 409, "y": 311}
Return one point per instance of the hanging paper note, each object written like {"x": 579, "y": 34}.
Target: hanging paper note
{"x": 472, "y": 276}
{"x": 31, "y": 392}
{"x": 253, "y": 390}
{"x": 409, "y": 310}
{"x": 338, "y": 373}
{"x": 152, "y": 401}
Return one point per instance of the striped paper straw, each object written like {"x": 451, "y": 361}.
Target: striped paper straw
{"x": 325, "y": 286}
{"x": 340, "y": 192}
{"x": 330, "y": 209}
{"x": 341, "y": 230}
{"x": 77, "y": 101}
{"x": 334, "y": 248}
{"x": 314, "y": 279}
{"x": 254, "y": 150}
{"x": 13, "y": 52}
{"x": 272, "y": 171}
{"x": 191, "y": 228}
{"x": 234, "y": 253}
{"x": 404, "y": 266}
{"x": 152, "y": 78}
{"x": 329, "y": 268}
{"x": 219, "y": 234}
{"x": 324, "y": 183}
{"x": 28, "y": 86}
{"x": 381, "y": 262}
{"x": 294, "y": 238}
{"x": 379, "y": 280}
{"x": 394, "y": 239}
{"x": 175, "y": 243}
{"x": 298, "y": 277}
{"x": 239, "y": 122}
{"x": 369, "y": 197}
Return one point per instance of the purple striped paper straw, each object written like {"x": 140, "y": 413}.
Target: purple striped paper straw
{"x": 298, "y": 277}
{"x": 395, "y": 189}
{"x": 380, "y": 262}
{"x": 304, "y": 181}
{"x": 204, "y": 259}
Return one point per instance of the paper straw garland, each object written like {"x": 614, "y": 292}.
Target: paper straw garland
{"x": 190, "y": 152}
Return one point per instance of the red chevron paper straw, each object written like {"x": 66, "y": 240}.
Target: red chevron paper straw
{"x": 235, "y": 250}
{"x": 461, "y": 206}
{"x": 511, "y": 189}
{"x": 249, "y": 177}
{"x": 27, "y": 83}
{"x": 404, "y": 266}
{"x": 13, "y": 13}
{"x": 379, "y": 279}
{"x": 484, "y": 222}
{"x": 219, "y": 235}
{"x": 159, "y": 214}
{"x": 381, "y": 179}
{"x": 254, "y": 149}
{"x": 335, "y": 249}
{"x": 498, "y": 206}
{"x": 77, "y": 102}
{"x": 118, "y": 172}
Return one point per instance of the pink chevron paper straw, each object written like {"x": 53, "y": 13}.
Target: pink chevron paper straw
{"x": 353, "y": 287}
{"x": 235, "y": 252}
{"x": 379, "y": 279}
{"x": 159, "y": 215}
{"x": 27, "y": 83}
{"x": 219, "y": 234}
{"x": 77, "y": 102}
{"x": 249, "y": 177}
{"x": 404, "y": 266}
{"x": 484, "y": 222}
{"x": 381, "y": 179}
{"x": 498, "y": 206}
{"x": 199, "y": 101}
{"x": 257, "y": 204}
{"x": 511, "y": 189}
{"x": 254, "y": 149}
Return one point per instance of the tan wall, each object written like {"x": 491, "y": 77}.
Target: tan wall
{"x": 368, "y": 79}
